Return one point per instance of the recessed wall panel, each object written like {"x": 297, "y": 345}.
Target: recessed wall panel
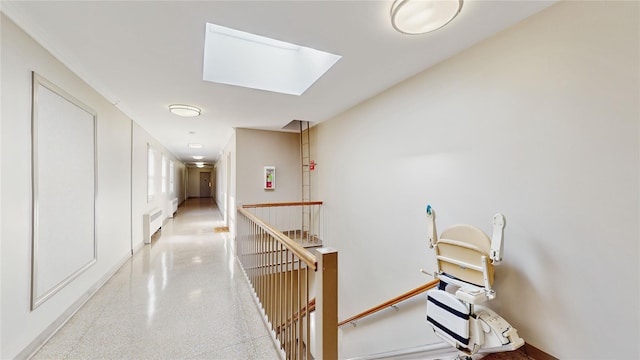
{"x": 64, "y": 189}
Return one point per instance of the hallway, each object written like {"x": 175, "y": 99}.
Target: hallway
{"x": 182, "y": 297}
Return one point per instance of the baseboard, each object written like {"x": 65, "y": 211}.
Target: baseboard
{"x": 537, "y": 354}
{"x": 137, "y": 248}
{"x": 444, "y": 351}
{"x": 439, "y": 351}
{"x": 52, "y": 329}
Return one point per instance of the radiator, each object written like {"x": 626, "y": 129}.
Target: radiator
{"x": 151, "y": 222}
{"x": 174, "y": 207}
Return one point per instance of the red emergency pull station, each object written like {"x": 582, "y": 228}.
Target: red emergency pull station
{"x": 312, "y": 165}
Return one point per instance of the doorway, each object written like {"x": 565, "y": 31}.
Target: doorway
{"x": 205, "y": 184}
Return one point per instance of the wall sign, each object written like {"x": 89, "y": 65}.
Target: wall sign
{"x": 269, "y": 177}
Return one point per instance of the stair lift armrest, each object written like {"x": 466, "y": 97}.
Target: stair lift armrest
{"x": 431, "y": 227}
{"x": 489, "y": 292}
{"x": 497, "y": 239}
{"x": 468, "y": 292}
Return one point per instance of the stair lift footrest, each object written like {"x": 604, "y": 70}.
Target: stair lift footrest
{"x": 448, "y": 316}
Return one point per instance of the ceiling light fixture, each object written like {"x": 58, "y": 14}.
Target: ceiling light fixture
{"x": 422, "y": 16}
{"x": 195, "y": 146}
{"x": 198, "y": 157}
{"x": 184, "y": 110}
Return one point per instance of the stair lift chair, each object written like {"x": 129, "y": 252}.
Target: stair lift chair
{"x": 465, "y": 259}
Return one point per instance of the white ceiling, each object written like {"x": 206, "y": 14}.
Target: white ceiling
{"x": 144, "y": 55}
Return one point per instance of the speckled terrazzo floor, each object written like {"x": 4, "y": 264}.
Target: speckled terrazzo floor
{"x": 182, "y": 297}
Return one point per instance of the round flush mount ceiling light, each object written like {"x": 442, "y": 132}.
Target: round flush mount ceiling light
{"x": 422, "y": 16}
{"x": 184, "y": 110}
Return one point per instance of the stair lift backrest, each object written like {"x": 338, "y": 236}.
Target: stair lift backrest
{"x": 459, "y": 252}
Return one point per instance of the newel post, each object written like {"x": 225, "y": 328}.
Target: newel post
{"x": 327, "y": 304}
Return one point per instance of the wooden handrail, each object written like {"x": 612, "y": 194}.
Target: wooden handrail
{"x": 302, "y": 253}
{"x": 395, "y": 300}
{"x": 294, "y": 317}
{"x": 302, "y": 203}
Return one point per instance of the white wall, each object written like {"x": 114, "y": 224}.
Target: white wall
{"x": 179, "y": 172}
{"x": 225, "y": 170}
{"x": 540, "y": 122}
{"x": 259, "y": 148}
{"x": 121, "y": 196}
{"x": 180, "y": 175}
{"x": 20, "y": 326}
{"x": 240, "y": 169}
{"x": 140, "y": 203}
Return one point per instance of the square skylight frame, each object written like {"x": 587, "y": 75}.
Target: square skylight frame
{"x": 239, "y": 58}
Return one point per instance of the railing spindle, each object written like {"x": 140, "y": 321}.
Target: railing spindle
{"x": 287, "y": 304}
{"x": 272, "y": 248}
{"x": 278, "y": 269}
{"x": 308, "y": 317}
{"x": 298, "y": 322}
{"x": 279, "y": 293}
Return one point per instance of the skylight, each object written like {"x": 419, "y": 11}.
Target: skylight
{"x": 240, "y": 58}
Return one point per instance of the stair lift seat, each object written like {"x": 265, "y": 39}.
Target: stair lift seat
{"x": 449, "y": 315}
{"x": 465, "y": 258}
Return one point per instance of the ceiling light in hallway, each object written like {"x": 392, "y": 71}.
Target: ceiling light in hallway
{"x": 184, "y": 110}
{"x": 422, "y": 16}
{"x": 198, "y": 157}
